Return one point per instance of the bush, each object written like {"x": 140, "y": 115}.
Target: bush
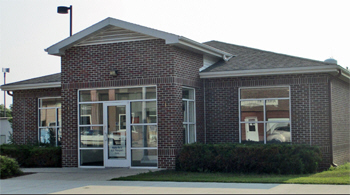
{"x": 33, "y": 155}
{"x": 9, "y": 167}
{"x": 249, "y": 158}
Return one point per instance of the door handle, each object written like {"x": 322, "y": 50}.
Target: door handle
{"x": 105, "y": 133}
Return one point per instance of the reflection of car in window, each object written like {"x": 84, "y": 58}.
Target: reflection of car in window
{"x": 278, "y": 133}
{"x": 92, "y": 132}
{"x": 92, "y": 137}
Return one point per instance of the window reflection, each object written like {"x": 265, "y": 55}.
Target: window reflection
{"x": 144, "y": 157}
{"x": 143, "y": 112}
{"x": 252, "y": 108}
{"x": 273, "y": 92}
{"x": 151, "y": 93}
{"x": 128, "y": 94}
{"x": 94, "y": 95}
{"x": 50, "y": 103}
{"x": 278, "y": 132}
{"x": 47, "y": 117}
{"x": 253, "y": 132}
{"x": 49, "y": 122}
{"x": 267, "y": 115}
{"x": 137, "y": 93}
{"x": 277, "y": 109}
{"x": 91, "y": 136}
{"x": 91, "y": 114}
{"x": 47, "y": 136}
{"x": 91, "y": 157}
{"x": 188, "y": 93}
{"x": 144, "y": 136}
{"x": 189, "y": 120}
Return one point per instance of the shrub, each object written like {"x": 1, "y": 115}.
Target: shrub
{"x": 249, "y": 158}
{"x": 9, "y": 167}
{"x": 33, "y": 155}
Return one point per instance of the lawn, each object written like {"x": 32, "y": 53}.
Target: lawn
{"x": 339, "y": 175}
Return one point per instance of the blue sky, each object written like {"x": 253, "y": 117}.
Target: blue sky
{"x": 311, "y": 29}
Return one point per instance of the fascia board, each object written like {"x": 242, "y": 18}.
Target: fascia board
{"x": 345, "y": 72}
{"x": 30, "y": 86}
{"x": 58, "y": 48}
{"x": 263, "y": 72}
{"x": 204, "y": 48}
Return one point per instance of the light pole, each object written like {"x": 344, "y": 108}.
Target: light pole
{"x": 64, "y": 10}
{"x": 5, "y": 70}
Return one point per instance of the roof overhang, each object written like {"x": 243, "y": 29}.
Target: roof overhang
{"x": 30, "y": 86}
{"x": 59, "y": 48}
{"x": 332, "y": 69}
{"x": 202, "y": 48}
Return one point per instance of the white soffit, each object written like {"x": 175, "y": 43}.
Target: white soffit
{"x": 114, "y": 34}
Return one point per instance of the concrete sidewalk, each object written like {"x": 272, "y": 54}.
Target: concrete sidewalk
{"x": 95, "y": 181}
{"x": 79, "y": 174}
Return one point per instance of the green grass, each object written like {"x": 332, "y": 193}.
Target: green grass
{"x": 339, "y": 175}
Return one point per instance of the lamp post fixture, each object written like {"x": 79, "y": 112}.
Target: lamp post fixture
{"x": 5, "y": 70}
{"x": 64, "y": 10}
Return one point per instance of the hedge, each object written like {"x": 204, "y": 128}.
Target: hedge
{"x": 9, "y": 167}
{"x": 33, "y": 155}
{"x": 249, "y": 158}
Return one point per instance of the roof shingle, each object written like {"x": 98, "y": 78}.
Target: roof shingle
{"x": 39, "y": 80}
{"x": 252, "y": 59}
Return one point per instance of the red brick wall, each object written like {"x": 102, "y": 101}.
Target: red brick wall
{"x": 150, "y": 62}
{"x": 340, "y": 121}
{"x": 222, "y": 108}
{"x": 25, "y": 113}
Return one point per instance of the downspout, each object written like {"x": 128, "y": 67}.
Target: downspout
{"x": 9, "y": 93}
{"x": 330, "y": 115}
{"x": 205, "y": 115}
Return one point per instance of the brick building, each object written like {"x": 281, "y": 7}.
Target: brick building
{"x": 131, "y": 96}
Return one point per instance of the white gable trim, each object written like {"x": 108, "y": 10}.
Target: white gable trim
{"x": 60, "y": 47}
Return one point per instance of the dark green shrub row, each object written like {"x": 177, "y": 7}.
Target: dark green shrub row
{"x": 9, "y": 167}
{"x": 249, "y": 158}
{"x": 33, "y": 155}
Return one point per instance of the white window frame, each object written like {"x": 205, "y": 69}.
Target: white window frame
{"x": 57, "y": 117}
{"x": 131, "y": 125}
{"x": 264, "y": 110}
{"x": 188, "y": 123}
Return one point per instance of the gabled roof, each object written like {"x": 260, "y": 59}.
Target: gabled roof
{"x": 111, "y": 30}
{"x": 48, "y": 81}
{"x": 252, "y": 62}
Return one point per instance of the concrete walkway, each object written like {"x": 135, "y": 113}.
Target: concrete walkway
{"x": 95, "y": 181}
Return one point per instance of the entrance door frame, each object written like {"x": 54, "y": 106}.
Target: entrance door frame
{"x": 115, "y": 162}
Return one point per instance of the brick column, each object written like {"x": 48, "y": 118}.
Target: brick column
{"x": 170, "y": 118}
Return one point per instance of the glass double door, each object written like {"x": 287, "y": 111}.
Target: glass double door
{"x": 117, "y": 144}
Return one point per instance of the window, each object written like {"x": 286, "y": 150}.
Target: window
{"x": 143, "y": 124}
{"x": 265, "y": 115}
{"x": 189, "y": 110}
{"x": 50, "y": 121}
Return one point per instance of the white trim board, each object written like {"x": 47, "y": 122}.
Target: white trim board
{"x": 275, "y": 71}
{"x": 59, "y": 48}
{"x": 31, "y": 86}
